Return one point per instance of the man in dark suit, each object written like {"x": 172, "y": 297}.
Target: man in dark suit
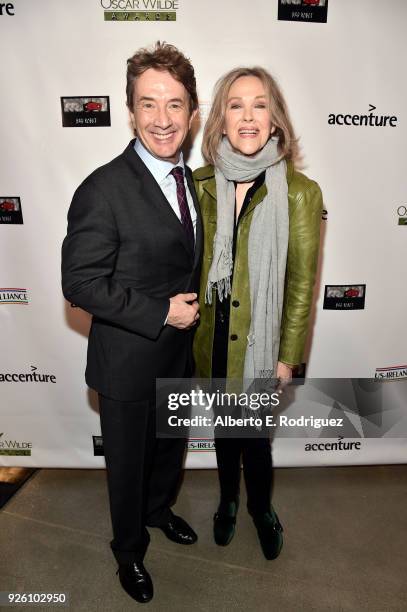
{"x": 131, "y": 258}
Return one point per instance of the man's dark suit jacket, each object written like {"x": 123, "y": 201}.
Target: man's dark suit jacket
{"x": 124, "y": 256}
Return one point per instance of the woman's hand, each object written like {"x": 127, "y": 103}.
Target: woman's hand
{"x": 284, "y": 374}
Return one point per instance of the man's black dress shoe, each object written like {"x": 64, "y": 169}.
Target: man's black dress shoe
{"x": 179, "y": 531}
{"x": 270, "y": 533}
{"x": 224, "y": 523}
{"x": 136, "y": 581}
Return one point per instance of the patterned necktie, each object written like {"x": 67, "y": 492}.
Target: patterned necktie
{"x": 186, "y": 220}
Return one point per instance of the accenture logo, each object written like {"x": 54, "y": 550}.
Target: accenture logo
{"x": 7, "y": 8}
{"x": 368, "y": 120}
{"x": 24, "y": 377}
{"x": 333, "y": 446}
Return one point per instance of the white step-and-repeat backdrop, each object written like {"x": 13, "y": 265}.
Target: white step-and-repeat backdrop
{"x": 62, "y": 113}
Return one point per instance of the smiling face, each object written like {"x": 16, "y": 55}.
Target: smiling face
{"x": 161, "y": 114}
{"x": 248, "y": 117}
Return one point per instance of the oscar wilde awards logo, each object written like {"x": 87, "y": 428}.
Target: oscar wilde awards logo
{"x": 85, "y": 111}
{"x": 402, "y": 215}
{"x": 14, "y": 447}
{"x": 11, "y": 295}
{"x": 391, "y": 373}
{"x": 365, "y": 120}
{"x": 344, "y": 297}
{"x": 140, "y": 10}
{"x": 10, "y": 210}
{"x": 303, "y": 10}
{"x": 7, "y": 8}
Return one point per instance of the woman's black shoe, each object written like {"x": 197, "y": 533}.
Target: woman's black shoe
{"x": 270, "y": 533}
{"x": 224, "y": 523}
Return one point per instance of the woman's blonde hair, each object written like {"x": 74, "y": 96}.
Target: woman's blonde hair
{"x": 213, "y": 132}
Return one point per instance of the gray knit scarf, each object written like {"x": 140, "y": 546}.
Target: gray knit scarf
{"x": 267, "y": 249}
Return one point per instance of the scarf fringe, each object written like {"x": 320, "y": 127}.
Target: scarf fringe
{"x": 223, "y": 286}
{"x": 220, "y": 273}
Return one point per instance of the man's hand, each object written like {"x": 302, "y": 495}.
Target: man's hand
{"x": 284, "y": 374}
{"x": 183, "y": 312}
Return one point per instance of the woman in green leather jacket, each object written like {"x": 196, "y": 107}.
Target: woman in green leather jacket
{"x": 261, "y": 224}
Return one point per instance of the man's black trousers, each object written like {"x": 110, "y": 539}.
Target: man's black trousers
{"x": 143, "y": 474}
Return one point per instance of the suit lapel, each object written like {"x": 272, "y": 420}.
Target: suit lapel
{"x": 151, "y": 192}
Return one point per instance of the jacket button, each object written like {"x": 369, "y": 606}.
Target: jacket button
{"x": 235, "y": 303}
{"x": 233, "y": 337}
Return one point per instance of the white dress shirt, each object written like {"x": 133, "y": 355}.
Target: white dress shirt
{"x": 160, "y": 169}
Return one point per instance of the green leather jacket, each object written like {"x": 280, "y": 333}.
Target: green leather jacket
{"x": 305, "y": 210}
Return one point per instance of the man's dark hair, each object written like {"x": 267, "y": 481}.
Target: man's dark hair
{"x": 165, "y": 57}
